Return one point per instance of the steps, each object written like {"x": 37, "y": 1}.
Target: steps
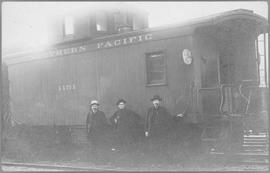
{"x": 256, "y": 143}
{"x": 254, "y": 151}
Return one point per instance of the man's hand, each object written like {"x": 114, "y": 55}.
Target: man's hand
{"x": 146, "y": 134}
{"x": 180, "y": 115}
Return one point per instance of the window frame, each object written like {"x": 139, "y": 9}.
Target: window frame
{"x": 65, "y": 26}
{"x": 104, "y": 17}
{"x": 165, "y": 80}
{"x": 261, "y": 45}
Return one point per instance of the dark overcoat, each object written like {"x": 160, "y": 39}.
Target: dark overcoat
{"x": 96, "y": 125}
{"x": 126, "y": 124}
{"x": 158, "y": 121}
{"x": 159, "y": 124}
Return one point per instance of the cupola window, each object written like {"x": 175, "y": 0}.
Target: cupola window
{"x": 68, "y": 26}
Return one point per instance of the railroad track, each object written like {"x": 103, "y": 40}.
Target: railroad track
{"x": 47, "y": 167}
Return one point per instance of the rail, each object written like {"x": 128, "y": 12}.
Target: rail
{"x": 56, "y": 167}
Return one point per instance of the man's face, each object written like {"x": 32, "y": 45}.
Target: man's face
{"x": 94, "y": 107}
{"x": 156, "y": 103}
{"x": 121, "y": 105}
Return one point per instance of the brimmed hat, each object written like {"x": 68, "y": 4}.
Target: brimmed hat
{"x": 156, "y": 97}
{"x": 94, "y": 102}
{"x": 120, "y": 101}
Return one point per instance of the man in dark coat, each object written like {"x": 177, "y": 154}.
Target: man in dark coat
{"x": 158, "y": 119}
{"x": 97, "y": 127}
{"x": 158, "y": 125}
{"x": 126, "y": 124}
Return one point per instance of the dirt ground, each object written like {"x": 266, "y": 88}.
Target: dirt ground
{"x": 80, "y": 156}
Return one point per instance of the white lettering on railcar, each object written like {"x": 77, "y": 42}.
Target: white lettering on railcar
{"x": 67, "y": 87}
{"x": 117, "y": 42}
{"x": 124, "y": 41}
{"x": 67, "y": 51}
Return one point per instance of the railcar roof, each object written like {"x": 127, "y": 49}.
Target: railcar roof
{"x": 198, "y": 22}
{"x": 192, "y": 24}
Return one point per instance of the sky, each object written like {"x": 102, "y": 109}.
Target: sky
{"x": 24, "y": 24}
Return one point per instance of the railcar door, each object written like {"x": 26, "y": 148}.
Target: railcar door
{"x": 208, "y": 75}
{"x": 209, "y": 95}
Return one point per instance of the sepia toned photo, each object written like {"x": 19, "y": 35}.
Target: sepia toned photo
{"x": 134, "y": 86}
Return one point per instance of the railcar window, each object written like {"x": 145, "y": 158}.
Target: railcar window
{"x": 263, "y": 56}
{"x": 119, "y": 18}
{"x": 130, "y": 20}
{"x": 68, "y": 26}
{"x": 101, "y": 22}
{"x": 123, "y": 19}
{"x": 155, "y": 68}
{"x": 136, "y": 24}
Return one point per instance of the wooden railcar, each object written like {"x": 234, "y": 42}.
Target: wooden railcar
{"x": 202, "y": 68}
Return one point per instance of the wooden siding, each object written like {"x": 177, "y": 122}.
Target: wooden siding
{"x": 58, "y": 91}
{"x": 55, "y": 86}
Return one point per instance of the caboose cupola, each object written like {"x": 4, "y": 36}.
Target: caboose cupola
{"x": 96, "y": 23}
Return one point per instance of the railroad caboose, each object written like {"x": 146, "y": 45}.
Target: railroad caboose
{"x": 203, "y": 69}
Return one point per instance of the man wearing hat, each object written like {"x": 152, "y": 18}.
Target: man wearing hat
{"x": 157, "y": 127}
{"x": 126, "y": 124}
{"x": 97, "y": 126}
